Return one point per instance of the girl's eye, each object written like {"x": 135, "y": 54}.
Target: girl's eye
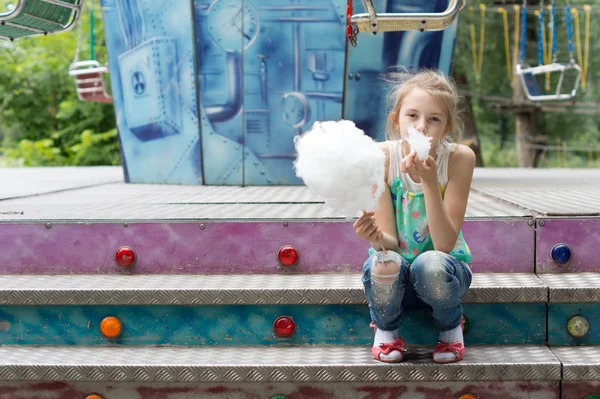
{"x": 435, "y": 119}
{"x": 412, "y": 115}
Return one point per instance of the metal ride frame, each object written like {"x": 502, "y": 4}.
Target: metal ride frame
{"x": 528, "y": 74}
{"x": 391, "y": 22}
{"x": 42, "y": 17}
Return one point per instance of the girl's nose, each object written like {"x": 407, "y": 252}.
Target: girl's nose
{"x": 421, "y": 126}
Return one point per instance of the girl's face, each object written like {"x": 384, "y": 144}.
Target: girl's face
{"x": 426, "y": 113}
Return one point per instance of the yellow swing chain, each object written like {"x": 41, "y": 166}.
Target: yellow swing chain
{"x": 583, "y": 62}
{"x": 506, "y": 42}
{"x": 517, "y": 39}
{"x": 478, "y": 56}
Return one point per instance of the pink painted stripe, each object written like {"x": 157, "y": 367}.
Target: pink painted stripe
{"x": 230, "y": 247}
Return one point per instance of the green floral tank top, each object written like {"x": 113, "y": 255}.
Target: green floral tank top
{"x": 412, "y": 226}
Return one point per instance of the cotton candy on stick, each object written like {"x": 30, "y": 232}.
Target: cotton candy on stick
{"x": 419, "y": 143}
{"x": 341, "y": 164}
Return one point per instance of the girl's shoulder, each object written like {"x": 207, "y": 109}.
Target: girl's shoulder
{"x": 462, "y": 159}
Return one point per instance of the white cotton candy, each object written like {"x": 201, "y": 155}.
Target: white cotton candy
{"x": 341, "y": 164}
{"x": 419, "y": 143}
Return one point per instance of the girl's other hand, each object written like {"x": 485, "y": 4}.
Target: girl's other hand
{"x": 366, "y": 227}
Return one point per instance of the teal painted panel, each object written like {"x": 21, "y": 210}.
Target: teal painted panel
{"x": 560, "y": 313}
{"x": 252, "y": 325}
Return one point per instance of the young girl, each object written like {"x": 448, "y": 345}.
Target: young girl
{"x": 421, "y": 258}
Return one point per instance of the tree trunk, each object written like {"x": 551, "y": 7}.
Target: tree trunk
{"x": 471, "y": 138}
{"x": 525, "y": 123}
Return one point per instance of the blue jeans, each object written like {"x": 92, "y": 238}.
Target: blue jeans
{"x": 434, "y": 280}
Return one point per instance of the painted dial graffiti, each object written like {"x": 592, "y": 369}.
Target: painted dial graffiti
{"x": 295, "y": 109}
{"x": 233, "y": 25}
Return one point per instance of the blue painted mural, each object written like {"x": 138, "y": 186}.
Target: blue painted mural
{"x": 214, "y": 91}
{"x": 151, "y": 61}
{"x": 514, "y": 324}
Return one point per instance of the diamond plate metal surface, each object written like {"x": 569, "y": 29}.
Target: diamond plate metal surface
{"x": 342, "y": 288}
{"x": 580, "y": 363}
{"x": 543, "y": 191}
{"x": 122, "y": 201}
{"x": 18, "y": 182}
{"x": 573, "y": 287}
{"x": 260, "y": 364}
{"x": 506, "y": 287}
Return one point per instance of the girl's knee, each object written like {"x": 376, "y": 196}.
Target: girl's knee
{"x": 428, "y": 265}
{"x": 384, "y": 271}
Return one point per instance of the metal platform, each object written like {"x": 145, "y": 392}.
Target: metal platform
{"x": 260, "y": 364}
{"x": 80, "y": 194}
{"x": 335, "y": 288}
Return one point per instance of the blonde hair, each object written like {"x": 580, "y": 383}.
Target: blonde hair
{"x": 434, "y": 83}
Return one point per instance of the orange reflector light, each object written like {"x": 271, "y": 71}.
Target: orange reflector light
{"x": 468, "y": 396}
{"x": 94, "y": 396}
{"x": 111, "y": 327}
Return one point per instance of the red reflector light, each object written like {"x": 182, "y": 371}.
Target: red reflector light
{"x": 125, "y": 256}
{"x": 284, "y": 327}
{"x": 287, "y": 255}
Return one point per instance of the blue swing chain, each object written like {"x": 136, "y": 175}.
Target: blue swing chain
{"x": 541, "y": 35}
{"x": 523, "y": 32}
{"x": 553, "y": 16}
{"x": 570, "y": 33}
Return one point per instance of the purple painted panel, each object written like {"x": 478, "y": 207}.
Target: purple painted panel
{"x": 415, "y": 390}
{"x": 581, "y": 235}
{"x": 230, "y": 247}
{"x": 579, "y": 389}
{"x": 501, "y": 245}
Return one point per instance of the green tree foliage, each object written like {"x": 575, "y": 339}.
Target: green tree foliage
{"x": 577, "y": 125}
{"x": 42, "y": 122}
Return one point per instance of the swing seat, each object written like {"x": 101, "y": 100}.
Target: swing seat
{"x": 534, "y": 92}
{"x": 392, "y": 22}
{"x": 39, "y": 17}
{"x": 89, "y": 81}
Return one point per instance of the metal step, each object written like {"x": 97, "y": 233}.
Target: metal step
{"x": 260, "y": 364}
{"x": 339, "y": 288}
{"x": 572, "y": 287}
{"x": 580, "y": 363}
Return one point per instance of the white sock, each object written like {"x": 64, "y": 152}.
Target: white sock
{"x": 387, "y": 337}
{"x": 450, "y": 337}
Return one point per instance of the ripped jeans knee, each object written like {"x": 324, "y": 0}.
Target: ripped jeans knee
{"x": 385, "y": 271}
{"x": 384, "y": 278}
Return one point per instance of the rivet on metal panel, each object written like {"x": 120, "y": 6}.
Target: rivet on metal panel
{"x": 285, "y": 224}
{"x": 530, "y": 222}
{"x": 48, "y": 225}
{"x": 542, "y": 223}
{"x": 350, "y": 76}
{"x": 125, "y": 224}
{"x": 202, "y": 227}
